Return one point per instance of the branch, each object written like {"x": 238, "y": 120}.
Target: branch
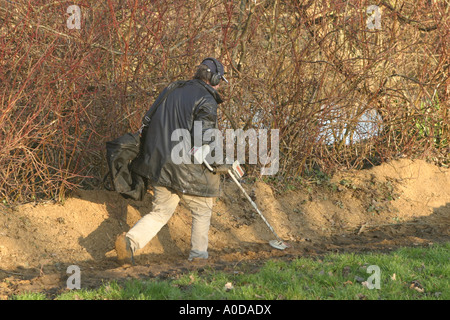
{"x": 407, "y": 20}
{"x": 94, "y": 45}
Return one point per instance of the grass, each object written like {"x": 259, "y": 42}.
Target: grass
{"x": 418, "y": 273}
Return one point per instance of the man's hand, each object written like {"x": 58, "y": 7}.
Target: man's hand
{"x": 222, "y": 169}
{"x": 235, "y": 168}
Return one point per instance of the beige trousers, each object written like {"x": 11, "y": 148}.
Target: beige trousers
{"x": 165, "y": 202}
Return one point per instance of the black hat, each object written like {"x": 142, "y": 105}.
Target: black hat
{"x": 215, "y": 67}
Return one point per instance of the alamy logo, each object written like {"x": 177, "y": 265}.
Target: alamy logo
{"x": 74, "y": 21}
{"x": 373, "y": 282}
{"x": 374, "y": 18}
{"x": 257, "y": 146}
{"x": 74, "y": 281}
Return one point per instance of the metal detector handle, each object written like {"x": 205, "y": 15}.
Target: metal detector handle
{"x": 237, "y": 171}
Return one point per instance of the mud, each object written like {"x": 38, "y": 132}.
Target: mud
{"x": 400, "y": 203}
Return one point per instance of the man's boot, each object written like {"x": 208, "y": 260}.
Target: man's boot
{"x": 123, "y": 250}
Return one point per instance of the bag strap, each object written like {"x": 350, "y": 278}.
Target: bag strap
{"x": 148, "y": 116}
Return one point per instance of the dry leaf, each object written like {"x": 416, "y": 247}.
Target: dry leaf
{"x": 228, "y": 286}
{"x": 416, "y": 286}
{"x": 419, "y": 289}
{"x": 393, "y": 277}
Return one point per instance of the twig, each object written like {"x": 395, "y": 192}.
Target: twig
{"x": 94, "y": 45}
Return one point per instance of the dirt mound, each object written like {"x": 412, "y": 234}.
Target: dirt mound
{"x": 399, "y": 203}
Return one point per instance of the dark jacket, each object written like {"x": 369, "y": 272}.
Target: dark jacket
{"x": 194, "y": 101}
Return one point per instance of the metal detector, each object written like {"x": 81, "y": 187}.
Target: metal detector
{"x": 235, "y": 173}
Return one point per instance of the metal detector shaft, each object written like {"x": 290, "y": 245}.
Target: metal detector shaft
{"x": 237, "y": 171}
{"x": 253, "y": 204}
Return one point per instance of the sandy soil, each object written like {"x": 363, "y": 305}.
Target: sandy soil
{"x": 400, "y": 203}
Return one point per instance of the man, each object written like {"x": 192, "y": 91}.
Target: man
{"x": 178, "y": 107}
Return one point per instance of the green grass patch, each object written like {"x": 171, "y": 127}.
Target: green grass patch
{"x": 408, "y": 273}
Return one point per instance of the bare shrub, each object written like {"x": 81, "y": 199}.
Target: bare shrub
{"x": 342, "y": 94}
